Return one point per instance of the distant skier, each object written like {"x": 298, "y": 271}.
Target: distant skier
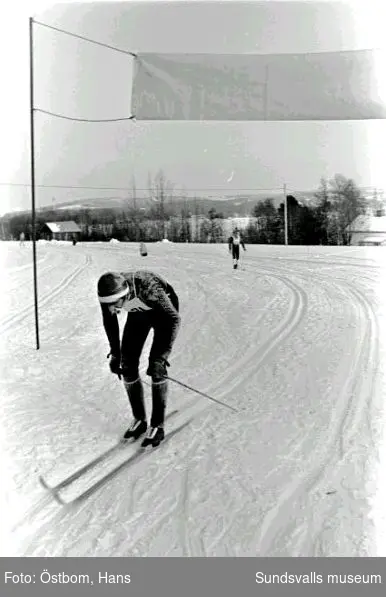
{"x": 234, "y": 243}
{"x": 150, "y": 302}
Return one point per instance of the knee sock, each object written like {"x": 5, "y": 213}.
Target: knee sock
{"x": 159, "y": 394}
{"x": 134, "y": 390}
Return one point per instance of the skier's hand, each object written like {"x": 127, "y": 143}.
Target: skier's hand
{"x": 115, "y": 365}
{"x": 157, "y": 368}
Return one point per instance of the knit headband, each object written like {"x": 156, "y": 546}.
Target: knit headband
{"x": 114, "y": 297}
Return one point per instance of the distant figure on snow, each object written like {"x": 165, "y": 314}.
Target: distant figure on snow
{"x": 150, "y": 302}
{"x": 234, "y": 243}
{"x": 143, "y": 250}
{"x": 22, "y": 239}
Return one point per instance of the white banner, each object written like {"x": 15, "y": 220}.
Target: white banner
{"x": 229, "y": 87}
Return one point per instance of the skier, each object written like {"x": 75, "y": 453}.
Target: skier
{"x": 234, "y": 243}
{"x": 150, "y": 302}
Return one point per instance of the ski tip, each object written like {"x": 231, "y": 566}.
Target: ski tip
{"x": 58, "y": 499}
{"x": 43, "y": 483}
{"x": 52, "y": 491}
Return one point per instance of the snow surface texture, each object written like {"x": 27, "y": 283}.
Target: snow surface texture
{"x": 293, "y": 340}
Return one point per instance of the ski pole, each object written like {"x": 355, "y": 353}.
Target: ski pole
{"x": 184, "y": 385}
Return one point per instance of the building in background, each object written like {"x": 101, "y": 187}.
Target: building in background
{"x": 60, "y": 231}
{"x": 368, "y": 230}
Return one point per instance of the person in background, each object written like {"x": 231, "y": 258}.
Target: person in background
{"x": 234, "y": 243}
{"x": 150, "y": 303}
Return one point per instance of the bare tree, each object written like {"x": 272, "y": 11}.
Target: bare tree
{"x": 133, "y": 209}
{"x": 347, "y": 203}
{"x": 323, "y": 211}
{"x": 161, "y": 190}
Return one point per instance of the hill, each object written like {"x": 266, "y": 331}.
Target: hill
{"x": 238, "y": 205}
{"x": 241, "y": 205}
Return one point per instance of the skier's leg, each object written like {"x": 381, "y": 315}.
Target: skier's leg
{"x": 157, "y": 367}
{"x": 134, "y": 391}
{"x": 235, "y": 255}
{"x": 160, "y": 350}
{"x": 133, "y": 339}
{"x": 159, "y": 392}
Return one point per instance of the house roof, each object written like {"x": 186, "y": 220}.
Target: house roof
{"x": 368, "y": 224}
{"x": 69, "y": 226}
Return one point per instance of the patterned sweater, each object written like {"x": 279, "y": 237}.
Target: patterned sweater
{"x": 148, "y": 292}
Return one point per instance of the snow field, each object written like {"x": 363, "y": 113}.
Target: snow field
{"x": 293, "y": 340}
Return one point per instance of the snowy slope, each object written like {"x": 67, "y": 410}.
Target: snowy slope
{"x": 292, "y": 340}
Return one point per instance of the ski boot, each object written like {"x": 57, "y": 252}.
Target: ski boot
{"x": 154, "y": 437}
{"x": 136, "y": 429}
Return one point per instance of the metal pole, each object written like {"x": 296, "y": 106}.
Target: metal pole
{"x": 33, "y": 179}
{"x": 285, "y": 216}
{"x": 265, "y": 93}
{"x": 184, "y": 385}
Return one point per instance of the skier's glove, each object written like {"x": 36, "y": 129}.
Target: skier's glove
{"x": 115, "y": 364}
{"x": 157, "y": 368}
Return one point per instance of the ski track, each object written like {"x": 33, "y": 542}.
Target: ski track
{"x": 254, "y": 358}
{"x": 192, "y": 498}
{"x": 18, "y": 317}
{"x": 282, "y": 518}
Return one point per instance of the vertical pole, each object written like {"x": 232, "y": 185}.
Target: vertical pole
{"x": 285, "y": 216}
{"x": 33, "y": 179}
{"x": 265, "y": 93}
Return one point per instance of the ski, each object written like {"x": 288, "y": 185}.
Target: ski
{"x": 121, "y": 444}
{"x": 138, "y": 455}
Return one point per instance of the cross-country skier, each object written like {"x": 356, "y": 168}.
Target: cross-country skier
{"x": 234, "y": 243}
{"x": 150, "y": 302}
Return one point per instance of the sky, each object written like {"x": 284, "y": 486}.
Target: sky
{"x": 83, "y": 80}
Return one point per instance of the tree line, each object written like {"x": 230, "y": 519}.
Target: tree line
{"x": 323, "y": 220}
{"x": 337, "y": 203}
